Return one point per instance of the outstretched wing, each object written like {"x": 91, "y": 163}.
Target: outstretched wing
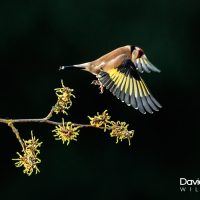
{"x": 143, "y": 64}
{"x": 126, "y": 84}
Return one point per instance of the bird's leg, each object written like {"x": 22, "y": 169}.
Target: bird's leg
{"x": 97, "y": 82}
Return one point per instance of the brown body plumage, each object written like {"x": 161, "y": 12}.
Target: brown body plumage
{"x": 118, "y": 72}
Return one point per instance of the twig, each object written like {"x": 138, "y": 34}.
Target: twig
{"x": 15, "y": 130}
{"x": 11, "y": 122}
{"x": 40, "y": 120}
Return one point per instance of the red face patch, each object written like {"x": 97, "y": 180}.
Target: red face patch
{"x": 140, "y": 53}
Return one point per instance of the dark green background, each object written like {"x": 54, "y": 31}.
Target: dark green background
{"x": 38, "y": 36}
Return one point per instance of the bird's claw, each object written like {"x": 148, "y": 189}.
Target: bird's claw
{"x": 101, "y": 89}
{"x": 97, "y": 82}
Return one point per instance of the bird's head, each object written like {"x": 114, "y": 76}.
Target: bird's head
{"x": 136, "y": 52}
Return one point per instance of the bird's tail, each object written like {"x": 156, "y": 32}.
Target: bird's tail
{"x": 83, "y": 66}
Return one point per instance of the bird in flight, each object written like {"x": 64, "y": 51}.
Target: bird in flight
{"x": 118, "y": 70}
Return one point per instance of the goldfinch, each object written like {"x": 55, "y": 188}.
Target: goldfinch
{"x": 118, "y": 70}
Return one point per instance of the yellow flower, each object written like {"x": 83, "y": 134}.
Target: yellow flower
{"x": 29, "y": 159}
{"x": 66, "y": 132}
{"x": 120, "y": 131}
{"x": 32, "y": 144}
{"x": 100, "y": 120}
{"x": 64, "y": 101}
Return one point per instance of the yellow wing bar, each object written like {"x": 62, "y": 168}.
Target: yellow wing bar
{"x": 129, "y": 88}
